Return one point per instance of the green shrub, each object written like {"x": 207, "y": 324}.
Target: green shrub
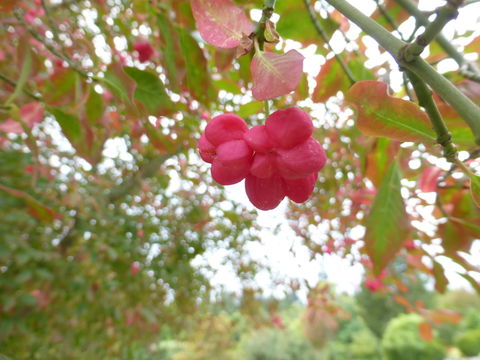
{"x": 402, "y": 341}
{"x": 272, "y": 344}
{"x": 469, "y": 342}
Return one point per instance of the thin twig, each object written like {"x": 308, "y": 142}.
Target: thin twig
{"x": 14, "y": 84}
{"x": 51, "y": 48}
{"x": 388, "y": 18}
{"x": 267, "y": 12}
{"x": 445, "y": 14}
{"x": 467, "y": 109}
{"x": 325, "y": 38}
{"x": 444, "y": 43}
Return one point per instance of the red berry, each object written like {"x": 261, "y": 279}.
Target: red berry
{"x": 277, "y": 159}
{"x": 225, "y": 127}
{"x": 144, "y": 49}
{"x": 289, "y": 127}
{"x": 258, "y": 139}
{"x": 299, "y": 190}
{"x": 234, "y": 153}
{"x": 228, "y": 175}
{"x": 265, "y": 194}
{"x": 207, "y": 150}
{"x": 304, "y": 159}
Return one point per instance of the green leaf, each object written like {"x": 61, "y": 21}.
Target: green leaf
{"x": 115, "y": 85}
{"x": 249, "y": 109}
{"x": 150, "y": 91}
{"x": 475, "y": 189}
{"x": 330, "y": 80}
{"x": 169, "y": 52}
{"x": 379, "y": 114}
{"x": 35, "y": 207}
{"x": 198, "y": 77}
{"x": 94, "y": 107}
{"x": 387, "y": 225}
{"x": 475, "y": 284}
{"x": 295, "y": 23}
{"x": 70, "y": 125}
{"x": 441, "y": 280}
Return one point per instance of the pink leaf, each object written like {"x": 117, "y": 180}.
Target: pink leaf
{"x": 220, "y": 22}
{"x": 30, "y": 114}
{"x": 428, "y": 181}
{"x": 274, "y": 74}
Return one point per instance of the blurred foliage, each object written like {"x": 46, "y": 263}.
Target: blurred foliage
{"x": 469, "y": 342}
{"x": 402, "y": 340}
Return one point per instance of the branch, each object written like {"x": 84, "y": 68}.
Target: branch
{"x": 146, "y": 171}
{"x": 14, "y": 84}
{"x": 325, "y": 38}
{"x": 440, "y": 39}
{"x": 267, "y": 12}
{"x": 470, "y": 2}
{"x": 467, "y": 109}
{"x": 444, "y": 15}
{"x": 424, "y": 95}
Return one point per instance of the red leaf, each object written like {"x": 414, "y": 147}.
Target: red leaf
{"x": 35, "y": 207}
{"x": 441, "y": 316}
{"x": 330, "y": 80}
{"x": 275, "y": 75}
{"x": 426, "y": 331}
{"x": 441, "y": 280}
{"x": 7, "y": 5}
{"x": 220, "y": 22}
{"x": 428, "y": 181}
{"x": 30, "y": 114}
{"x": 380, "y": 114}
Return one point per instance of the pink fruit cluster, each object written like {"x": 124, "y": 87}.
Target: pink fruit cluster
{"x": 278, "y": 159}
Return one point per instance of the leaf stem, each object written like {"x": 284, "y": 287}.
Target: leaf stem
{"x": 467, "y": 109}
{"x": 444, "y": 137}
{"x": 444, "y": 15}
{"x": 323, "y": 35}
{"x": 267, "y": 108}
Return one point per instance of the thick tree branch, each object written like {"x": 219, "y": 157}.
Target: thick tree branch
{"x": 444, "y": 15}
{"x": 467, "y": 109}
{"x": 325, "y": 38}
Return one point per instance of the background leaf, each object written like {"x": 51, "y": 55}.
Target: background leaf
{"x": 379, "y": 114}
{"x": 387, "y": 224}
